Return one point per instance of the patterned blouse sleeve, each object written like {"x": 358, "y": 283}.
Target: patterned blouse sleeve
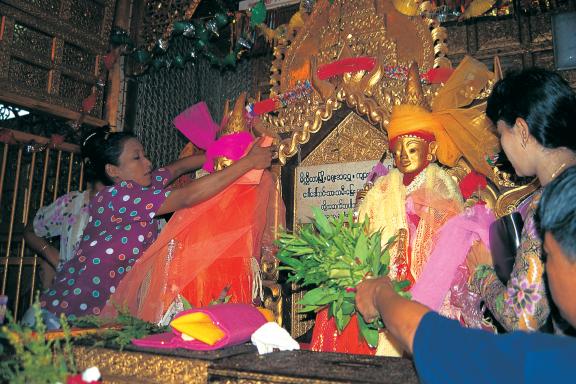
{"x": 522, "y": 303}
{"x": 49, "y": 220}
{"x": 131, "y": 202}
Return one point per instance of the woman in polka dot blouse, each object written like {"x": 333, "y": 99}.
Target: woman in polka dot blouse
{"x": 122, "y": 216}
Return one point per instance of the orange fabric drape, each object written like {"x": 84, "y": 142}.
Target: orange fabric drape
{"x": 203, "y": 249}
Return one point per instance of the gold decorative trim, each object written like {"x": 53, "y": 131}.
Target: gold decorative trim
{"x": 508, "y": 201}
{"x": 136, "y": 367}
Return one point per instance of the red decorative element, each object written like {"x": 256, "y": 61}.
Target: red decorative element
{"x": 109, "y": 59}
{"x": 438, "y": 75}
{"x": 7, "y": 136}
{"x": 264, "y": 106}
{"x": 428, "y": 137}
{"x": 56, "y": 140}
{"x": 77, "y": 379}
{"x": 279, "y": 101}
{"x": 340, "y": 67}
{"x": 471, "y": 183}
{"x": 89, "y": 103}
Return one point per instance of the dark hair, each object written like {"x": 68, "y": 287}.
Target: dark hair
{"x": 556, "y": 211}
{"x": 542, "y": 98}
{"x": 100, "y": 147}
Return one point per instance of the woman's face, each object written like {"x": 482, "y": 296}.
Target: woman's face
{"x": 132, "y": 164}
{"x": 511, "y": 141}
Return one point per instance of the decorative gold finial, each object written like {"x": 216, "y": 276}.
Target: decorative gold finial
{"x": 414, "y": 94}
{"x": 236, "y": 123}
{"x": 226, "y": 113}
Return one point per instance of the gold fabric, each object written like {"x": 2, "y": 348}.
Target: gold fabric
{"x": 468, "y": 127}
{"x": 460, "y": 130}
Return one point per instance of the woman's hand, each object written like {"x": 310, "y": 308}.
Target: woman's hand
{"x": 260, "y": 157}
{"x": 367, "y": 293}
{"x": 377, "y": 297}
{"x": 478, "y": 255}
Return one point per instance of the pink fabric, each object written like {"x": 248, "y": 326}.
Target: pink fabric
{"x": 453, "y": 243}
{"x": 238, "y": 321}
{"x": 377, "y": 171}
{"x": 197, "y": 125}
{"x": 471, "y": 313}
{"x": 232, "y": 146}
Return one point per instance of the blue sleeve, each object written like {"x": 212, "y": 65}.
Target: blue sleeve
{"x": 444, "y": 352}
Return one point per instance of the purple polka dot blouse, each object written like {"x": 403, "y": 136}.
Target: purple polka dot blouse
{"x": 120, "y": 228}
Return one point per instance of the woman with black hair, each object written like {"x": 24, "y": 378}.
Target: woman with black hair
{"x": 122, "y": 216}
{"x": 444, "y": 352}
{"x": 534, "y": 112}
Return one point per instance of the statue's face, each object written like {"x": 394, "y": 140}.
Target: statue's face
{"x": 410, "y": 154}
{"x": 222, "y": 162}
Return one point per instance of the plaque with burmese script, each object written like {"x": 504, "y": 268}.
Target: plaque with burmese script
{"x": 331, "y": 187}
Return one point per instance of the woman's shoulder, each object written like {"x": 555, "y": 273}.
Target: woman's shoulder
{"x": 161, "y": 177}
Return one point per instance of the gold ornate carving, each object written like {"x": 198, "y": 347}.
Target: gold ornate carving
{"x": 300, "y": 323}
{"x": 508, "y": 201}
{"x": 354, "y": 139}
{"x": 343, "y": 29}
{"x": 136, "y": 367}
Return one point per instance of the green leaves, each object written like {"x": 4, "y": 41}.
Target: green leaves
{"x": 331, "y": 256}
{"x": 35, "y": 359}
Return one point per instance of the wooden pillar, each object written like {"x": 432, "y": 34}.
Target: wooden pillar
{"x": 122, "y": 19}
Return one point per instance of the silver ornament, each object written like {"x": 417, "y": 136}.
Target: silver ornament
{"x": 190, "y": 30}
{"x": 212, "y": 26}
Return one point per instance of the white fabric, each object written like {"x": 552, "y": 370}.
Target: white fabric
{"x": 271, "y": 336}
{"x": 91, "y": 375}
{"x": 66, "y": 217}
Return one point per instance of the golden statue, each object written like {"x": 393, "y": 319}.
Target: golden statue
{"x": 416, "y": 199}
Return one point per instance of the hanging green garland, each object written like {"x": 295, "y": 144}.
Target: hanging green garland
{"x": 203, "y": 35}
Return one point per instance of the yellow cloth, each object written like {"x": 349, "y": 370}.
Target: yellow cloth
{"x": 464, "y": 123}
{"x": 459, "y": 128}
{"x": 408, "y": 119}
{"x": 199, "y": 326}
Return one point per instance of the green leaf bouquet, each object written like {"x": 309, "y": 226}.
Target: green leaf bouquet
{"x": 331, "y": 256}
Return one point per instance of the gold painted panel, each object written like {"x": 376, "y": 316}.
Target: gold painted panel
{"x": 541, "y": 29}
{"x": 458, "y": 40}
{"x": 498, "y": 33}
{"x": 354, "y": 139}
